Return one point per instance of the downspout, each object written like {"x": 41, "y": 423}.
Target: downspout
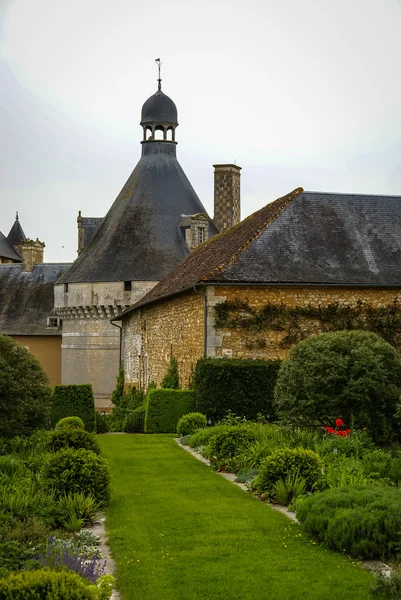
{"x": 120, "y": 327}
{"x": 204, "y": 319}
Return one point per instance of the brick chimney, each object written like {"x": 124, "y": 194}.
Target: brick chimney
{"x": 227, "y": 196}
{"x": 31, "y": 253}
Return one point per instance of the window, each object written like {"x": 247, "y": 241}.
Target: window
{"x": 127, "y": 286}
{"x": 53, "y": 322}
{"x": 201, "y": 231}
{"x": 66, "y": 288}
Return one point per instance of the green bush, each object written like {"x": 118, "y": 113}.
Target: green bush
{"x": 129, "y": 402}
{"x": 352, "y": 375}
{"x": 118, "y": 392}
{"x": 190, "y": 423}
{"x": 204, "y": 436}
{"x": 25, "y": 395}
{"x": 74, "y": 401}
{"x": 135, "y": 420}
{"x": 73, "y": 438}
{"x": 165, "y": 408}
{"x": 102, "y": 423}
{"x": 68, "y": 471}
{"x": 281, "y": 463}
{"x": 229, "y": 442}
{"x": 70, "y": 423}
{"x": 244, "y": 387}
{"x": 45, "y": 584}
{"x": 171, "y": 378}
{"x": 364, "y": 522}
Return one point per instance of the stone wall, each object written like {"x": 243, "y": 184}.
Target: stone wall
{"x": 154, "y": 333}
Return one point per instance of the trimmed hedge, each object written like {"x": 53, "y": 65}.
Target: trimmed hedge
{"x": 72, "y": 438}
{"x": 74, "y": 401}
{"x": 102, "y": 423}
{"x": 243, "y": 386}
{"x": 165, "y": 408}
{"x": 134, "y": 422}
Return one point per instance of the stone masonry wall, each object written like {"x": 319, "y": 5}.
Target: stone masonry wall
{"x": 240, "y": 343}
{"x": 154, "y": 333}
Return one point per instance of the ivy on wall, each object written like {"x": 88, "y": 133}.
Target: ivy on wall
{"x": 298, "y": 322}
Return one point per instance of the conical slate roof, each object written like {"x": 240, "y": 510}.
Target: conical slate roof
{"x": 6, "y": 249}
{"x": 16, "y": 235}
{"x": 140, "y": 239}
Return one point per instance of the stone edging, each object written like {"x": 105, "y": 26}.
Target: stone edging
{"x": 99, "y": 529}
{"x": 370, "y": 565}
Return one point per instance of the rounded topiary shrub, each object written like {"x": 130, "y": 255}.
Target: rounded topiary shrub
{"x": 70, "y": 423}
{"x": 288, "y": 461}
{"x": 190, "y": 423}
{"x": 352, "y": 375}
{"x": 70, "y": 470}
{"x": 43, "y": 583}
{"x": 73, "y": 438}
{"x": 228, "y": 442}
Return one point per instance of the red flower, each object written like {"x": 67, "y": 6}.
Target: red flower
{"x": 340, "y": 433}
{"x": 329, "y": 429}
{"x": 347, "y": 432}
{"x": 339, "y": 422}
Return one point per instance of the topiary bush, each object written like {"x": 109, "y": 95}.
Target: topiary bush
{"x": 77, "y": 401}
{"x": 70, "y": 470}
{"x": 70, "y": 423}
{"x": 171, "y": 378}
{"x": 25, "y": 394}
{"x": 165, "y": 408}
{"x": 102, "y": 423}
{"x": 287, "y": 461}
{"x": 364, "y": 522}
{"x": 52, "y": 585}
{"x": 227, "y": 443}
{"x": 243, "y": 386}
{"x": 73, "y": 438}
{"x": 190, "y": 423}
{"x": 354, "y": 375}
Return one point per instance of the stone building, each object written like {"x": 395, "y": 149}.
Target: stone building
{"x": 27, "y": 298}
{"x": 307, "y": 262}
{"x": 154, "y": 223}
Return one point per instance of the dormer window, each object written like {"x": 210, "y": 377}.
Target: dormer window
{"x": 127, "y": 286}
{"x": 53, "y": 322}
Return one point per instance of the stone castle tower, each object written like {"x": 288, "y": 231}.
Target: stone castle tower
{"x": 153, "y": 224}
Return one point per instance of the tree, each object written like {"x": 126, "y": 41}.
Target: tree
{"x": 25, "y": 394}
{"x": 118, "y": 393}
{"x": 352, "y": 375}
{"x": 171, "y": 380}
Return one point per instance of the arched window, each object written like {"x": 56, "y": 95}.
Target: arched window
{"x": 169, "y": 135}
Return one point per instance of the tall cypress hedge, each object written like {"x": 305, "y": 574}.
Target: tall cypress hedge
{"x": 244, "y": 386}
{"x": 74, "y": 401}
{"x": 165, "y": 407}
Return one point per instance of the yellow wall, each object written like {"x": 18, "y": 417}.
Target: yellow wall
{"x": 47, "y": 349}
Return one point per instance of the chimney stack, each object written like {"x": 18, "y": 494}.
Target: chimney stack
{"x": 31, "y": 253}
{"x": 227, "y": 196}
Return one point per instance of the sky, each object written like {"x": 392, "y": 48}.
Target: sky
{"x": 298, "y": 93}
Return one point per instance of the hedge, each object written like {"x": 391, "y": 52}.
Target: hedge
{"x": 165, "y": 408}
{"x": 74, "y": 401}
{"x": 243, "y": 386}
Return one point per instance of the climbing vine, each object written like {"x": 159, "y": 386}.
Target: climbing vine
{"x": 298, "y": 322}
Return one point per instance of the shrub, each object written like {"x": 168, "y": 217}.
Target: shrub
{"x": 54, "y": 585}
{"x": 102, "y": 423}
{"x": 243, "y": 386}
{"x": 70, "y": 423}
{"x": 204, "y": 436}
{"x": 364, "y": 522}
{"x": 81, "y": 506}
{"x": 228, "y": 443}
{"x": 118, "y": 393}
{"x": 190, "y": 423}
{"x": 25, "y": 395}
{"x": 306, "y": 463}
{"x": 171, "y": 379}
{"x": 129, "y": 402}
{"x": 68, "y": 471}
{"x": 164, "y": 409}
{"x": 134, "y": 422}
{"x": 76, "y": 401}
{"x": 354, "y": 375}
{"x": 73, "y": 438}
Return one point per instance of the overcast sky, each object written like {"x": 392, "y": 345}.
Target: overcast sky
{"x": 297, "y": 92}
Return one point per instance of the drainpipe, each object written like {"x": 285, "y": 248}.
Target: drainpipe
{"x": 204, "y": 319}
{"x": 120, "y": 327}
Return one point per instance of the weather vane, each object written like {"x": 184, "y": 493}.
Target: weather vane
{"x": 159, "y": 64}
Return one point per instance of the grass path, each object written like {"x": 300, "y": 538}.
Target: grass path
{"x": 179, "y": 531}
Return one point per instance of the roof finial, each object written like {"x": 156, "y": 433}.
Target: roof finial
{"x": 16, "y": 216}
{"x": 159, "y": 64}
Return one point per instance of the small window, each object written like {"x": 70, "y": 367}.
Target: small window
{"x": 201, "y": 235}
{"x": 66, "y": 288}
{"x": 127, "y": 286}
{"x": 53, "y": 322}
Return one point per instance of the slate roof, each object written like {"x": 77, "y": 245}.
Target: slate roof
{"x": 27, "y": 298}
{"x": 6, "y": 249}
{"x": 159, "y": 108}
{"x": 16, "y": 235}
{"x": 90, "y": 226}
{"x": 140, "y": 239}
{"x": 302, "y": 238}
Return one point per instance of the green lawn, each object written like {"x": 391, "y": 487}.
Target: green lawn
{"x": 180, "y": 531}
